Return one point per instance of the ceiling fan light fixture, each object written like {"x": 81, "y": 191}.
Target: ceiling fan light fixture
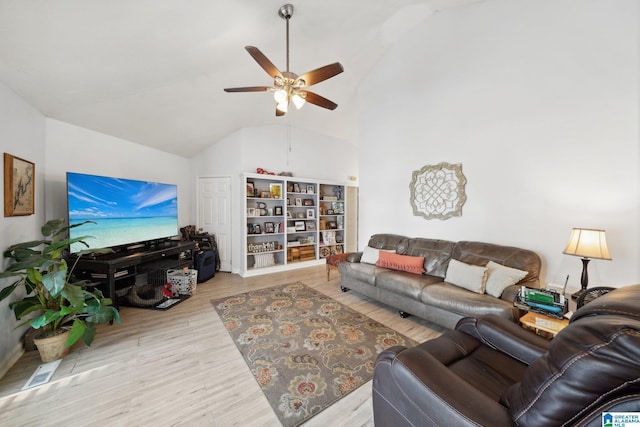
{"x": 299, "y": 99}
{"x": 280, "y": 96}
{"x": 282, "y": 106}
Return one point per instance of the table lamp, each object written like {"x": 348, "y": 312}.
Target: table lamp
{"x": 586, "y": 243}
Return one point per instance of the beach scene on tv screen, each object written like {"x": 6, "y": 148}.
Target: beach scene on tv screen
{"x": 124, "y": 211}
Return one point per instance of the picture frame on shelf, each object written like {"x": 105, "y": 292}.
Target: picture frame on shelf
{"x": 338, "y": 207}
{"x": 330, "y": 212}
{"x": 291, "y": 229}
{"x": 310, "y": 226}
{"x": 277, "y": 210}
{"x": 251, "y": 211}
{"x": 311, "y": 213}
{"x": 296, "y": 187}
{"x": 332, "y": 225}
{"x": 300, "y": 226}
{"x": 254, "y": 229}
{"x": 289, "y": 215}
{"x": 308, "y": 202}
{"x": 269, "y": 227}
{"x": 310, "y": 189}
{"x": 276, "y": 190}
{"x": 289, "y": 187}
{"x": 329, "y": 237}
{"x": 250, "y": 189}
{"x": 339, "y": 238}
{"x": 300, "y": 215}
{"x": 298, "y": 201}
{"x": 265, "y": 195}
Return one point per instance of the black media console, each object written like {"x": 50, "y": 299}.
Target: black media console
{"x": 118, "y": 271}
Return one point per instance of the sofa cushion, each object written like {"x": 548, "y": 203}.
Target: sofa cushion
{"x": 470, "y": 277}
{"x": 458, "y": 300}
{"x": 410, "y": 264}
{"x": 480, "y": 253}
{"x": 436, "y": 253}
{"x": 402, "y": 283}
{"x": 389, "y": 241}
{"x": 499, "y": 277}
{"x": 370, "y": 255}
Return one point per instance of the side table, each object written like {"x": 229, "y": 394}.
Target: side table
{"x": 542, "y": 325}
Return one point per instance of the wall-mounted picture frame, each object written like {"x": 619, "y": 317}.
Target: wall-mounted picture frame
{"x": 19, "y": 186}
{"x": 276, "y": 190}
{"x": 311, "y": 213}
{"x": 277, "y": 211}
{"x": 300, "y": 226}
{"x": 308, "y": 202}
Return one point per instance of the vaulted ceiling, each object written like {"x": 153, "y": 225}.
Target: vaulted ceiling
{"x": 153, "y": 71}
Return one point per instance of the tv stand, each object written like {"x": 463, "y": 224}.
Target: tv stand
{"x": 119, "y": 270}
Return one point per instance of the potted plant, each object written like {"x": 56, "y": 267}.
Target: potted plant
{"x": 66, "y": 310}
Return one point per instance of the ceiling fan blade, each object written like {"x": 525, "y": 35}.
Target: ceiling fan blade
{"x": 249, "y": 89}
{"x": 264, "y": 62}
{"x": 321, "y": 74}
{"x": 320, "y": 101}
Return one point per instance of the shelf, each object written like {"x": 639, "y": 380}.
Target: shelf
{"x": 312, "y": 202}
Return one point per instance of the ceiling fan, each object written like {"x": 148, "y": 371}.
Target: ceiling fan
{"x": 287, "y": 86}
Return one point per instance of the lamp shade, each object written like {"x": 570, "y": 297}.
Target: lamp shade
{"x": 588, "y": 243}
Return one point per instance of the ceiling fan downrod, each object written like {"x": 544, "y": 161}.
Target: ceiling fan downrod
{"x": 286, "y": 12}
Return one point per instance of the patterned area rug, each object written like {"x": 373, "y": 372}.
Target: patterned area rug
{"x": 306, "y": 350}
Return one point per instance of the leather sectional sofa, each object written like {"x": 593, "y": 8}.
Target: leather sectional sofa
{"x": 424, "y": 292}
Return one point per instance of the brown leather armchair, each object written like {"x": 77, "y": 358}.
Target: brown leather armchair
{"x": 491, "y": 372}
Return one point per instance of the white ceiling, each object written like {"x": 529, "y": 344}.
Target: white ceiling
{"x": 153, "y": 71}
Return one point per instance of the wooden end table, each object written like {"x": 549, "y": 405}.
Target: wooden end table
{"x": 542, "y": 325}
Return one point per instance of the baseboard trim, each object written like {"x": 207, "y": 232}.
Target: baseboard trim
{"x": 13, "y": 356}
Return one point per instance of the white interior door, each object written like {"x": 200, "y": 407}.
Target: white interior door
{"x": 214, "y": 214}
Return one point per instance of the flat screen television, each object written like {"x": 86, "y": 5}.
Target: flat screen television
{"x": 125, "y": 211}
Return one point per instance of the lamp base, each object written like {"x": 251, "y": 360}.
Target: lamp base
{"x": 577, "y": 294}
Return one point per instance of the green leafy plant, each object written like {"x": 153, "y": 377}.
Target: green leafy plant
{"x": 51, "y": 289}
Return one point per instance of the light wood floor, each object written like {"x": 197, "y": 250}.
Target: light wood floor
{"x": 179, "y": 367}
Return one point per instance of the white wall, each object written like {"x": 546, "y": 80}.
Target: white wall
{"x": 277, "y": 149}
{"x": 22, "y": 134}
{"x": 71, "y": 148}
{"x": 538, "y": 100}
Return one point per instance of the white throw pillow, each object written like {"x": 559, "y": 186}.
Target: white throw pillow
{"x": 499, "y": 277}
{"x": 370, "y": 255}
{"x": 470, "y": 277}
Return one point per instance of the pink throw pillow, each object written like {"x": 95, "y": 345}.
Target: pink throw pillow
{"x": 410, "y": 264}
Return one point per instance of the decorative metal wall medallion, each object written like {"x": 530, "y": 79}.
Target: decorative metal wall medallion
{"x": 437, "y": 191}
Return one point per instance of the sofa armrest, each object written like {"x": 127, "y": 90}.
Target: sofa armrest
{"x": 428, "y": 393}
{"x": 505, "y": 336}
{"x": 354, "y": 257}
